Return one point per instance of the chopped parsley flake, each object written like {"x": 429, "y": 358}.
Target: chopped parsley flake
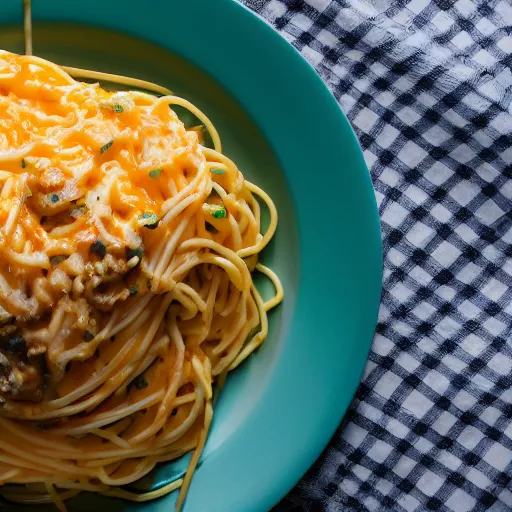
{"x": 155, "y": 173}
{"x": 106, "y": 146}
{"x": 131, "y": 253}
{"x": 88, "y": 336}
{"x": 99, "y": 248}
{"x": 23, "y": 163}
{"x": 55, "y": 260}
{"x": 133, "y": 290}
{"x": 217, "y": 171}
{"x": 54, "y": 198}
{"x": 140, "y": 382}
{"x": 151, "y": 220}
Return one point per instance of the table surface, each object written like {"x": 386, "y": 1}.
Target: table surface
{"x": 427, "y": 85}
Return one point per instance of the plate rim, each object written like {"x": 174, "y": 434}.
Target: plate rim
{"x": 231, "y": 12}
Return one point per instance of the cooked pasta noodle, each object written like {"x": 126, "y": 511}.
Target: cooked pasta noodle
{"x": 126, "y": 252}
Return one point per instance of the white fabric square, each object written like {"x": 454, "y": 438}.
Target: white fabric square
{"x": 465, "y": 7}
{"x": 464, "y": 192}
{"x": 470, "y": 437}
{"x": 416, "y": 194}
{"x": 417, "y": 403}
{"x": 494, "y": 289}
{"x": 446, "y": 253}
{"x": 478, "y": 478}
{"x": 498, "y": 456}
{"x": 473, "y": 345}
{"x": 420, "y": 275}
{"x": 486, "y": 27}
{"x": 501, "y": 364}
{"x": 408, "y": 115}
{"x": 469, "y": 310}
{"x": 494, "y": 326}
{"x": 420, "y": 234}
{"x": 462, "y": 40}
{"x": 441, "y": 213}
{"x": 464, "y": 400}
{"x": 447, "y": 327}
{"x": 437, "y": 381}
{"x": 436, "y": 135}
{"x": 411, "y": 154}
{"x": 365, "y": 119}
{"x": 444, "y": 423}
{"x": 438, "y": 173}
{"x": 429, "y": 483}
{"x": 379, "y": 451}
{"x": 387, "y": 384}
{"x": 489, "y": 212}
{"x": 387, "y": 136}
{"x": 416, "y": 6}
{"x": 404, "y": 466}
{"x": 460, "y": 501}
{"x": 442, "y": 21}
{"x": 505, "y": 44}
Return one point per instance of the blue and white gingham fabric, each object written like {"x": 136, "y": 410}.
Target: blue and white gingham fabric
{"x": 427, "y": 85}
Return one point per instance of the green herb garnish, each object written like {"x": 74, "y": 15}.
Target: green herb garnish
{"x": 219, "y": 212}
{"x": 54, "y": 198}
{"x": 88, "y": 336}
{"x": 151, "y": 220}
{"x": 106, "y": 146}
{"x": 23, "y": 163}
{"x": 133, "y": 290}
{"x": 118, "y": 108}
{"x": 55, "y": 260}
{"x": 131, "y": 253}
{"x": 140, "y": 382}
{"x": 155, "y": 173}
{"x": 217, "y": 171}
{"x": 99, "y": 248}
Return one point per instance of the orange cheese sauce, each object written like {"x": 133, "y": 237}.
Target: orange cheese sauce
{"x": 74, "y": 156}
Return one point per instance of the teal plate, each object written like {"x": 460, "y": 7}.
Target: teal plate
{"x": 287, "y": 134}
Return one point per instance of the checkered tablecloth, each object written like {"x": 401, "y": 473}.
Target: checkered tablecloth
{"x": 427, "y": 85}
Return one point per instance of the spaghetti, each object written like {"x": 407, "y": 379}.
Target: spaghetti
{"x": 126, "y": 251}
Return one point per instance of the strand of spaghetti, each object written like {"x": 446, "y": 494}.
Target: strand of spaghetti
{"x": 117, "y": 79}
{"x": 208, "y": 414}
{"x": 27, "y": 23}
{"x": 278, "y": 298}
{"x": 272, "y": 226}
{"x": 258, "y": 339}
{"x": 55, "y": 497}
{"x": 175, "y": 100}
{"x": 147, "y": 496}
